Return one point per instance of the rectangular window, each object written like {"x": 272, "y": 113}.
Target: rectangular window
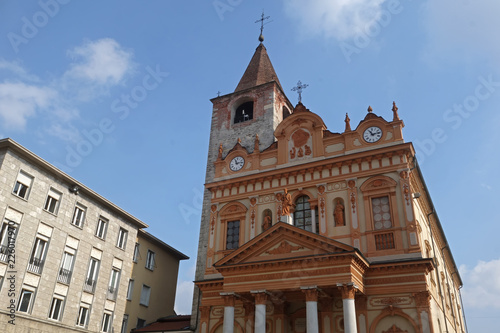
{"x": 381, "y": 213}
{"x": 8, "y": 234}
{"x": 233, "y": 235}
{"x": 91, "y": 278}
{"x": 56, "y": 308}
{"x": 106, "y": 322}
{"x": 130, "y": 289}
{"x": 150, "y": 260}
{"x": 66, "y": 268}
{"x": 52, "y": 202}
{"x": 141, "y": 323}
{"x": 122, "y": 238}
{"x": 25, "y": 300}
{"x": 78, "y": 216}
{"x": 124, "y": 323}
{"x": 136, "y": 252}
{"x": 37, "y": 258}
{"x": 145, "y": 293}
{"x": 113, "y": 284}
{"x": 102, "y": 226}
{"x": 83, "y": 315}
{"x": 23, "y": 185}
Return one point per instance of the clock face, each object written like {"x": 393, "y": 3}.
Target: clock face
{"x": 237, "y": 163}
{"x": 372, "y": 134}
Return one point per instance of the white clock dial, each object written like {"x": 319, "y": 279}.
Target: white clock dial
{"x": 237, "y": 163}
{"x": 372, "y": 134}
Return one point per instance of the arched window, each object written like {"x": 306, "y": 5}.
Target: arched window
{"x": 302, "y": 215}
{"x": 243, "y": 112}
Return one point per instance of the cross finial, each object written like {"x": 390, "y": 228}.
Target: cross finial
{"x": 218, "y": 93}
{"x": 261, "y": 20}
{"x": 298, "y": 88}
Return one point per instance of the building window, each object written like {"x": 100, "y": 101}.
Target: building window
{"x": 145, "y": 293}
{"x": 243, "y": 112}
{"x": 136, "y": 252}
{"x": 91, "y": 278}
{"x": 130, "y": 289}
{"x": 56, "y": 308}
{"x": 113, "y": 284}
{"x": 150, "y": 260}
{"x": 78, "y": 216}
{"x": 122, "y": 238}
{"x": 23, "y": 185}
{"x": 102, "y": 226}
{"x": 124, "y": 323}
{"x": 52, "y": 202}
{"x": 66, "y": 268}
{"x": 25, "y": 300}
{"x": 381, "y": 213}
{"x": 302, "y": 215}
{"x": 233, "y": 235}
{"x": 106, "y": 322}
{"x": 83, "y": 315}
{"x": 141, "y": 323}
{"x": 7, "y": 236}
{"x": 37, "y": 257}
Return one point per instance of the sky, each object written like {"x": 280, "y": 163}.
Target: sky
{"x": 117, "y": 94}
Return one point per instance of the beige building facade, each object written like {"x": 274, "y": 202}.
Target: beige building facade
{"x": 66, "y": 252}
{"x": 306, "y": 230}
{"x": 150, "y": 295}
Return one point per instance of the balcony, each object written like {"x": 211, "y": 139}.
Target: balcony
{"x": 89, "y": 285}
{"x": 384, "y": 241}
{"x": 35, "y": 265}
{"x": 112, "y": 293}
{"x": 64, "y": 276}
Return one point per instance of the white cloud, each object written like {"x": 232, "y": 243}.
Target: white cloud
{"x": 463, "y": 29}
{"x": 102, "y": 62}
{"x": 16, "y": 69}
{"x": 481, "y": 285}
{"x": 184, "y": 297}
{"x": 20, "y": 101}
{"x": 340, "y": 19}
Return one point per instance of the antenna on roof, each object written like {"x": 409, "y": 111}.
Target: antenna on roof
{"x": 261, "y": 20}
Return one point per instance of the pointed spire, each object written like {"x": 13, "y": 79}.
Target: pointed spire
{"x": 395, "y": 111}
{"x": 347, "y": 123}
{"x": 259, "y": 70}
{"x": 370, "y": 110}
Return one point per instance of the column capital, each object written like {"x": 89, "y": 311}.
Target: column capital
{"x": 422, "y": 299}
{"x": 204, "y": 313}
{"x": 347, "y": 290}
{"x": 260, "y": 296}
{"x": 311, "y": 293}
{"x": 229, "y": 298}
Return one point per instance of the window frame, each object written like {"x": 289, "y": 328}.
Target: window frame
{"x": 295, "y": 218}
{"x": 93, "y": 269}
{"x": 79, "y": 317}
{"x": 63, "y": 267}
{"x": 130, "y": 289}
{"x": 37, "y": 256}
{"x": 121, "y": 241}
{"x": 136, "y": 252}
{"x": 19, "y": 181}
{"x": 145, "y": 297}
{"x": 227, "y": 231}
{"x": 79, "y": 209}
{"x": 4, "y": 237}
{"x": 51, "y": 202}
{"x": 101, "y": 222}
{"x": 24, "y": 291}
{"x": 107, "y": 319}
{"x": 56, "y": 307}
{"x": 150, "y": 260}
{"x": 114, "y": 282}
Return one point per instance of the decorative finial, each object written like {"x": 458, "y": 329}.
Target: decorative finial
{"x": 220, "y": 152}
{"x": 395, "y": 110}
{"x": 256, "y": 144}
{"x": 239, "y": 140}
{"x": 347, "y": 123}
{"x": 370, "y": 109}
{"x": 261, "y": 20}
{"x": 298, "y": 88}
{"x": 218, "y": 93}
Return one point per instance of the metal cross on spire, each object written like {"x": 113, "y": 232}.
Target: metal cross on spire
{"x": 299, "y": 89}
{"x": 262, "y": 19}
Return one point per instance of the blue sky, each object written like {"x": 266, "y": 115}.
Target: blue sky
{"x": 117, "y": 95}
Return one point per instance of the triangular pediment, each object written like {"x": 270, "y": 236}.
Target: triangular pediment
{"x": 282, "y": 242}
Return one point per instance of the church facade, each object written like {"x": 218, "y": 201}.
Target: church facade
{"x": 305, "y": 230}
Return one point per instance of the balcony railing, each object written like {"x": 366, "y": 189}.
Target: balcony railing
{"x": 64, "y": 276}
{"x": 35, "y": 265}
{"x": 89, "y": 285}
{"x": 112, "y": 292}
{"x": 384, "y": 241}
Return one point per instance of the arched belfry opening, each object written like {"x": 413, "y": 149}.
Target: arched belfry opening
{"x": 244, "y": 112}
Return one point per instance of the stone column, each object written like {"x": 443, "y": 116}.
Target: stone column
{"x": 311, "y": 308}
{"x": 260, "y": 311}
{"x": 228, "y": 326}
{"x": 348, "y": 291}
